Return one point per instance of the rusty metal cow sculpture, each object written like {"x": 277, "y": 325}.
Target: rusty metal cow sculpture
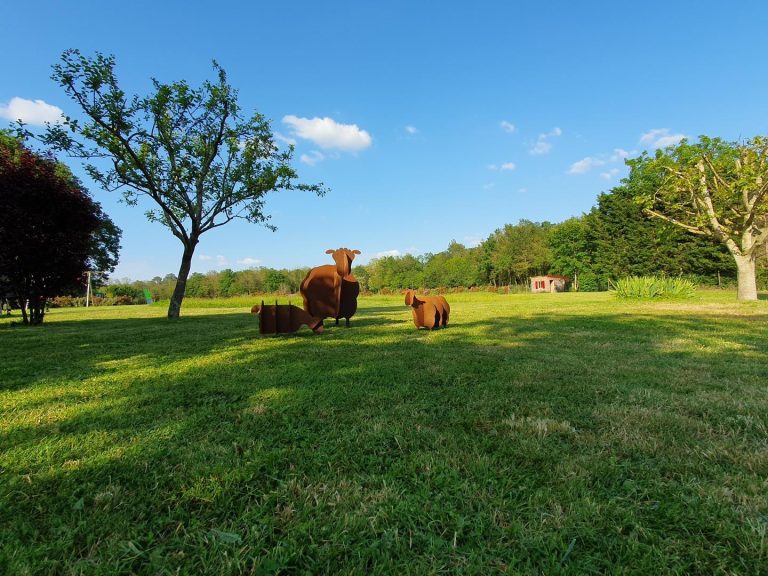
{"x": 331, "y": 291}
{"x": 284, "y": 318}
{"x": 428, "y": 311}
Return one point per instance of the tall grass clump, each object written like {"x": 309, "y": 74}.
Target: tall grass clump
{"x": 652, "y": 287}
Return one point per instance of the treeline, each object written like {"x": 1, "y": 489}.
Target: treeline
{"x": 214, "y": 284}
{"x": 615, "y": 239}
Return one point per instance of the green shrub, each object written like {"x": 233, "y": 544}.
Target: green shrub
{"x": 653, "y": 287}
{"x": 66, "y": 302}
{"x": 589, "y": 282}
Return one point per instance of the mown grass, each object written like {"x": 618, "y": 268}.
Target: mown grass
{"x": 538, "y": 434}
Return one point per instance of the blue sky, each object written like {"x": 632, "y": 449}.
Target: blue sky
{"x": 428, "y": 121}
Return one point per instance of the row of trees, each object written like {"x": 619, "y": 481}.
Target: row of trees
{"x": 225, "y": 283}
{"x": 202, "y": 163}
{"x": 613, "y": 240}
{"x": 616, "y": 238}
{"x": 697, "y": 210}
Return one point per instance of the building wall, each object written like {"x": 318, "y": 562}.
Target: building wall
{"x": 540, "y": 284}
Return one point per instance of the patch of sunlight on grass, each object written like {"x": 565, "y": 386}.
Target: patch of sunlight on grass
{"x": 137, "y": 361}
{"x": 539, "y": 426}
{"x": 349, "y": 371}
{"x": 268, "y": 395}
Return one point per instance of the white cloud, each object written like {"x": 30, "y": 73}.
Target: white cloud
{"x": 585, "y": 165}
{"x": 504, "y": 166}
{"x": 328, "y": 134}
{"x": 312, "y": 158}
{"x": 249, "y": 261}
{"x": 508, "y": 126}
{"x": 35, "y": 112}
{"x": 522, "y": 190}
{"x": 219, "y": 260}
{"x": 394, "y": 253}
{"x": 543, "y": 145}
{"x": 619, "y": 154}
{"x": 489, "y": 186}
{"x": 473, "y": 240}
{"x": 283, "y": 138}
{"x": 411, "y": 129}
{"x": 660, "y": 138}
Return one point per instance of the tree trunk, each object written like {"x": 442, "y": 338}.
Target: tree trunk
{"x": 747, "y": 285}
{"x": 174, "y": 308}
{"x": 23, "y": 308}
{"x": 36, "y": 310}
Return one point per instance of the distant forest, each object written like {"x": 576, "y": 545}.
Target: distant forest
{"x": 615, "y": 239}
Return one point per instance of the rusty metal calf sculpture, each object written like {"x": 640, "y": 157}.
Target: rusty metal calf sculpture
{"x": 331, "y": 291}
{"x": 284, "y": 318}
{"x": 428, "y": 311}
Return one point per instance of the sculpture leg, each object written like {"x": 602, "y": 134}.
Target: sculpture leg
{"x": 347, "y": 319}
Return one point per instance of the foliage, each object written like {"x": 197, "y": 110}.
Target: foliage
{"x": 67, "y": 302}
{"x": 456, "y": 266}
{"x": 123, "y": 294}
{"x": 520, "y": 251}
{"x": 712, "y": 188}
{"x": 188, "y": 150}
{"x": 394, "y": 272}
{"x": 631, "y": 433}
{"x": 572, "y": 252}
{"x": 572, "y": 246}
{"x": 52, "y": 230}
{"x": 625, "y": 241}
{"x": 275, "y": 281}
{"x": 650, "y": 287}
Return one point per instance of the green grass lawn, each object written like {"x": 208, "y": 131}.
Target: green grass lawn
{"x": 537, "y": 434}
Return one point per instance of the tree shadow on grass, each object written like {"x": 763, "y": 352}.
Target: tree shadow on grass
{"x": 493, "y": 442}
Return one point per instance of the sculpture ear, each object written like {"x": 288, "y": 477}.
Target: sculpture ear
{"x": 408, "y": 296}
{"x": 355, "y": 251}
{"x": 329, "y": 251}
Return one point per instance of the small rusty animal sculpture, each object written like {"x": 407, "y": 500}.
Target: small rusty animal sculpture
{"x": 331, "y": 291}
{"x": 284, "y": 319}
{"x": 428, "y": 311}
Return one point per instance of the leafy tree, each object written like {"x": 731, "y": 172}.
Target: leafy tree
{"x": 295, "y": 277}
{"x": 626, "y": 241}
{"x": 715, "y": 189}
{"x": 521, "y": 251}
{"x": 190, "y": 151}
{"x": 572, "y": 252}
{"x": 361, "y": 273}
{"x": 197, "y": 286}
{"x": 395, "y": 272}
{"x": 248, "y": 282}
{"x": 275, "y": 281}
{"x": 225, "y": 281}
{"x": 52, "y": 231}
{"x": 456, "y": 266}
{"x": 485, "y": 261}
